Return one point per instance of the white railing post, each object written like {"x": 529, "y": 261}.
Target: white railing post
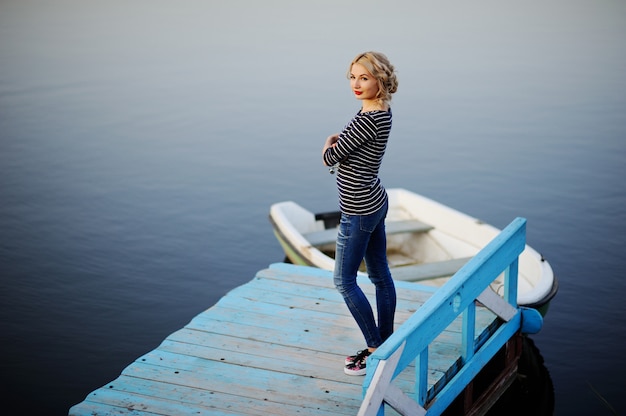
{"x": 381, "y": 391}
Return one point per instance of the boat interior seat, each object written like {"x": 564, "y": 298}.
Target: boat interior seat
{"x": 329, "y": 235}
{"x": 425, "y": 271}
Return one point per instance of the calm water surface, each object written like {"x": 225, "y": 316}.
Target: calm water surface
{"x": 142, "y": 143}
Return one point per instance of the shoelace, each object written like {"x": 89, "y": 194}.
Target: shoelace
{"x": 360, "y": 357}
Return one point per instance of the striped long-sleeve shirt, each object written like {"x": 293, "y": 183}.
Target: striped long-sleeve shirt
{"x": 360, "y": 150}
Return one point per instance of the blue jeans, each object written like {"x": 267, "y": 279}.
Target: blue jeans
{"x": 363, "y": 237}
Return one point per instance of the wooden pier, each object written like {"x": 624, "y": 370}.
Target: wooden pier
{"x": 276, "y": 345}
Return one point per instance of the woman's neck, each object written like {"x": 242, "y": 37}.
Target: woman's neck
{"x": 365, "y": 109}
{"x": 373, "y": 105}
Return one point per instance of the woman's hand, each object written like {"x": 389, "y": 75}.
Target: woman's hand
{"x": 331, "y": 141}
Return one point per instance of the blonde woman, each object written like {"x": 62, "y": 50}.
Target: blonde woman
{"x": 356, "y": 154}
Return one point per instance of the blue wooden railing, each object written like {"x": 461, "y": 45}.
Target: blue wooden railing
{"x": 410, "y": 342}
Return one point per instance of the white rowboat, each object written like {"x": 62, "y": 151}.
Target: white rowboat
{"x": 427, "y": 242}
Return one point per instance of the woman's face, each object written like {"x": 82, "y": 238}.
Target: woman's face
{"x": 363, "y": 84}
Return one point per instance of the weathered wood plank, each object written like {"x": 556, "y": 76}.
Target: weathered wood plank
{"x": 251, "y": 382}
{"x": 315, "y": 277}
{"x": 265, "y": 302}
{"x": 318, "y": 330}
{"x": 127, "y": 395}
{"x": 150, "y": 397}
{"x": 100, "y": 407}
{"x": 239, "y": 351}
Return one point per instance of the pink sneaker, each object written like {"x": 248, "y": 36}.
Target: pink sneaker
{"x": 357, "y": 365}
{"x": 352, "y": 358}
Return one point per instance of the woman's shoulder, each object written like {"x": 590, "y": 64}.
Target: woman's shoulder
{"x": 376, "y": 115}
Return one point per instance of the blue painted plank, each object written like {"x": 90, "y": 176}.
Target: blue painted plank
{"x": 281, "y": 270}
{"x": 118, "y": 402}
{"x": 90, "y": 408}
{"x": 239, "y": 351}
{"x": 291, "y": 390}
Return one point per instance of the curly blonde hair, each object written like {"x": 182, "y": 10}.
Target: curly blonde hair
{"x": 379, "y": 66}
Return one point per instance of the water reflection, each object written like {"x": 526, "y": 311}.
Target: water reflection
{"x": 532, "y": 391}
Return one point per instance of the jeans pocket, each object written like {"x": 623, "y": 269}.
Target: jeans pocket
{"x": 368, "y": 223}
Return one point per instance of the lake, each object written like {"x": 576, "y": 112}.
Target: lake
{"x": 142, "y": 143}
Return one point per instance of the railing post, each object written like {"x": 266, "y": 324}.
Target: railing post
{"x": 468, "y": 334}
{"x": 421, "y": 377}
{"x": 510, "y": 283}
